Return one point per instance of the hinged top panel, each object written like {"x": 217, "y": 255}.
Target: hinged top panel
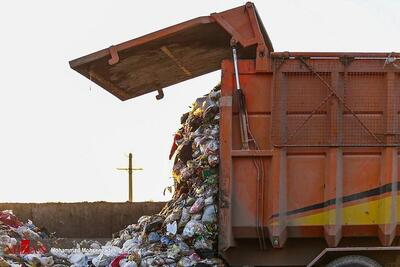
{"x": 177, "y": 53}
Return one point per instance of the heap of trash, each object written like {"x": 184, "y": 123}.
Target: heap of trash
{"x": 185, "y": 232}
{"x": 18, "y": 239}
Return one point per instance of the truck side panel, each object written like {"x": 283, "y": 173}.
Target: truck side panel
{"x": 326, "y": 163}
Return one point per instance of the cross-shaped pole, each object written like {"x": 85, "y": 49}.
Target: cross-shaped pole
{"x": 130, "y": 172}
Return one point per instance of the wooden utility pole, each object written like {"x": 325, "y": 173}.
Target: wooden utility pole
{"x": 130, "y": 170}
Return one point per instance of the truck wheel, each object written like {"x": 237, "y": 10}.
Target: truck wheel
{"x": 353, "y": 261}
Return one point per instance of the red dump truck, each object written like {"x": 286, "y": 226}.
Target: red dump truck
{"x": 309, "y": 141}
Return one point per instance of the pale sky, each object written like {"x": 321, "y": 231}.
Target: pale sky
{"x": 62, "y": 137}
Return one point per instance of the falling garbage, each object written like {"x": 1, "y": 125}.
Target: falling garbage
{"x": 183, "y": 234}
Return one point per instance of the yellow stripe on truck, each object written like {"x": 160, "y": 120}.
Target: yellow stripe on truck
{"x": 377, "y": 211}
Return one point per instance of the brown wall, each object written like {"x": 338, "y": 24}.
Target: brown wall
{"x": 83, "y": 219}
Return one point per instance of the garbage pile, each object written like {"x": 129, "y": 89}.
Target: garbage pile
{"x": 185, "y": 232}
{"x": 18, "y": 238}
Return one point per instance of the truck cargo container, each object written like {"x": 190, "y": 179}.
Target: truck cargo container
{"x": 309, "y": 156}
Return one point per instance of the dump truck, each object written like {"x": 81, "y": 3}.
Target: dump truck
{"x": 309, "y": 141}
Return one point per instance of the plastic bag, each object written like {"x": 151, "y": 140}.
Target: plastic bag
{"x": 78, "y": 259}
{"x": 210, "y": 214}
{"x": 8, "y": 218}
{"x": 154, "y": 237}
{"x": 116, "y": 262}
{"x": 26, "y": 233}
{"x": 202, "y": 243}
{"x": 107, "y": 254}
{"x": 185, "y": 218}
{"x": 172, "y": 228}
{"x": 192, "y": 228}
{"x": 197, "y": 206}
{"x": 213, "y": 160}
{"x": 47, "y": 261}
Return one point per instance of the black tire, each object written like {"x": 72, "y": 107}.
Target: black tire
{"x": 353, "y": 261}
